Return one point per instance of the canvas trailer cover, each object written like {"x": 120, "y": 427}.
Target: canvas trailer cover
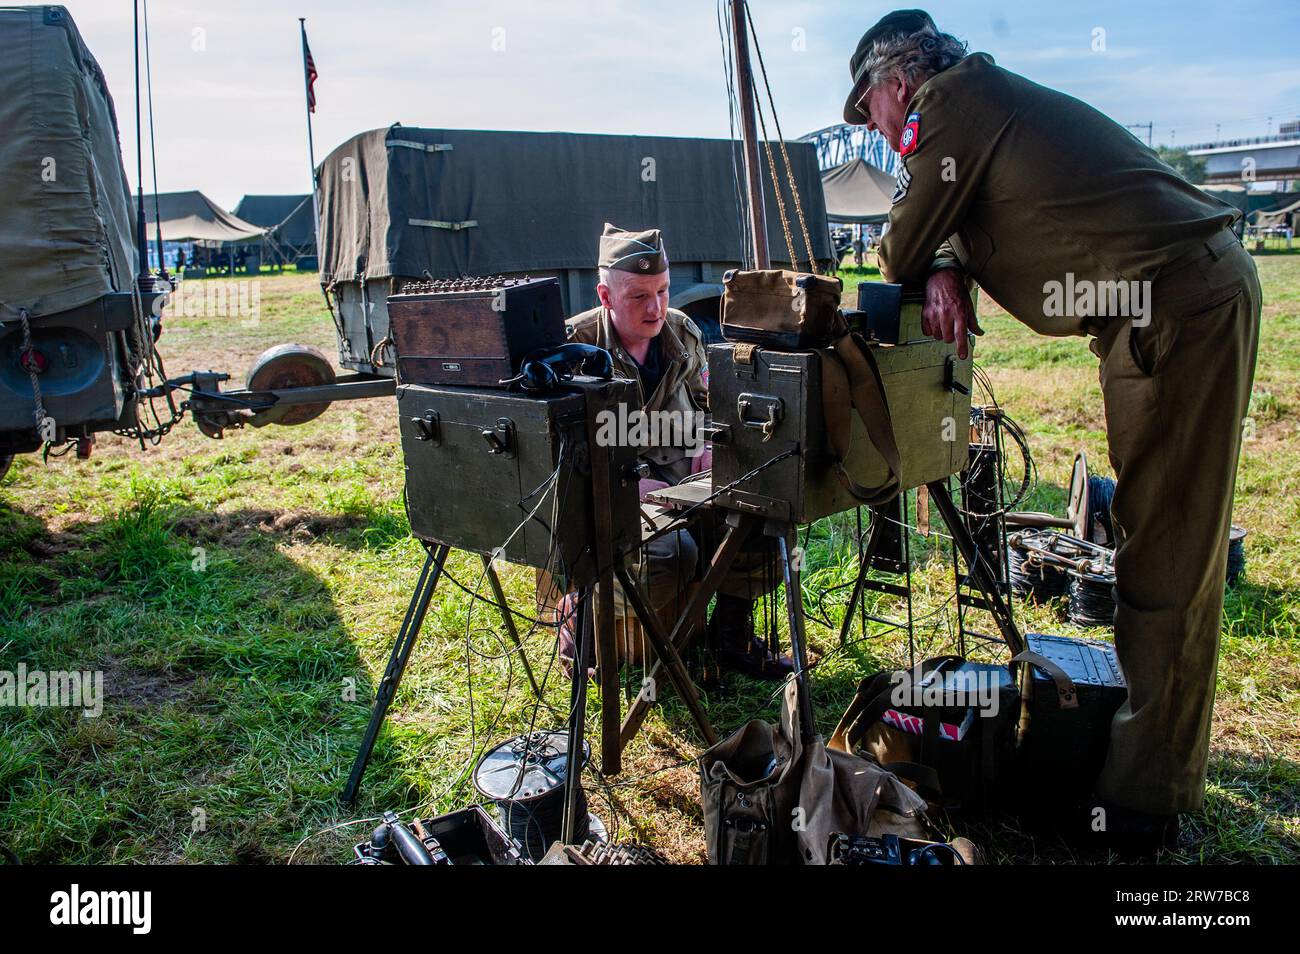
{"x": 406, "y": 203}
{"x": 68, "y": 259}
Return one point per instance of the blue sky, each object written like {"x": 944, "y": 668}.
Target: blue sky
{"x": 228, "y": 98}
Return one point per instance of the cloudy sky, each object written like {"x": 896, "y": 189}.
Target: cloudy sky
{"x": 228, "y": 89}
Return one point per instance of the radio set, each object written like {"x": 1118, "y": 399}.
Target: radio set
{"x": 479, "y": 461}
{"x": 822, "y": 404}
{"x": 479, "y": 455}
{"x": 473, "y": 332}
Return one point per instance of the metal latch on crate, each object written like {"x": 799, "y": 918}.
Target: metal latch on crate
{"x": 501, "y": 437}
{"x": 427, "y": 428}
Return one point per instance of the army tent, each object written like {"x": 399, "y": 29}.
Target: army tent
{"x": 291, "y": 229}
{"x": 288, "y": 217}
{"x": 857, "y": 193}
{"x": 66, "y": 238}
{"x": 193, "y": 217}
{"x": 1279, "y": 218}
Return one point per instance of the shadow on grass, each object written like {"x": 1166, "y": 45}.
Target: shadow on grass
{"x": 233, "y": 696}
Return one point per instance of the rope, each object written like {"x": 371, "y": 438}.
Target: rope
{"x": 29, "y": 363}
{"x": 776, "y": 186}
{"x": 785, "y": 156}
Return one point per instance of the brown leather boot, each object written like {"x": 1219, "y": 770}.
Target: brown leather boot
{"x": 731, "y": 630}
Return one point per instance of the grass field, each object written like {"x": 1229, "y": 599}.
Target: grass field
{"x": 240, "y": 598}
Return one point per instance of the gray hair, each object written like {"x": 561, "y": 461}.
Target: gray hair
{"x": 914, "y": 56}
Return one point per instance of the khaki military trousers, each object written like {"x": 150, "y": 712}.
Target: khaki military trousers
{"x": 1176, "y": 393}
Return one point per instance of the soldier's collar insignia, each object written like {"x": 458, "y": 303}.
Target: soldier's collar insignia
{"x": 911, "y": 136}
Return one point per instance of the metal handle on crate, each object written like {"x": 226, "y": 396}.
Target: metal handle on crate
{"x": 774, "y": 407}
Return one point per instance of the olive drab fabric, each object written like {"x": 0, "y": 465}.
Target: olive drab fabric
{"x": 1176, "y": 392}
{"x": 1029, "y": 187}
{"x": 682, "y": 387}
{"x": 638, "y": 252}
{"x": 67, "y": 232}
{"x": 1035, "y": 195}
{"x": 409, "y": 201}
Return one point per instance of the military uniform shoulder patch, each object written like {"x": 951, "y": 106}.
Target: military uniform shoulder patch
{"x": 911, "y": 136}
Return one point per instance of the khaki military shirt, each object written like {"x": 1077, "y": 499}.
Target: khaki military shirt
{"x": 1022, "y": 186}
{"x": 683, "y": 387}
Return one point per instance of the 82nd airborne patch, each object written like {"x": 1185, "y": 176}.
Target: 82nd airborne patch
{"x": 911, "y": 136}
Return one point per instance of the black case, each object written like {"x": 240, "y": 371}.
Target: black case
{"x": 1067, "y": 747}
{"x": 470, "y": 491}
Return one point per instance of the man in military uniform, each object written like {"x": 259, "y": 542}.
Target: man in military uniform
{"x": 1076, "y": 228}
{"x": 663, "y": 351}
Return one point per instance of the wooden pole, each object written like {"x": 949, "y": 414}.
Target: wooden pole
{"x": 749, "y": 135}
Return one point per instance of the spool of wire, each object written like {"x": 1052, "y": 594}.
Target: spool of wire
{"x": 1031, "y": 577}
{"x": 1236, "y": 554}
{"x": 524, "y": 777}
{"x": 1092, "y": 599}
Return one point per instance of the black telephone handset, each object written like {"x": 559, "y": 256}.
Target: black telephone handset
{"x": 546, "y": 368}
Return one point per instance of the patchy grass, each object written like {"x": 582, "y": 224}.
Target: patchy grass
{"x": 241, "y": 597}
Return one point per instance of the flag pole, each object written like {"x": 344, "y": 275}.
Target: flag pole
{"x": 311, "y": 146}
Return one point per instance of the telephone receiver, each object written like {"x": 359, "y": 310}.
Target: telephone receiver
{"x": 546, "y": 368}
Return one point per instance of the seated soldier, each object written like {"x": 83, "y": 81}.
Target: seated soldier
{"x": 663, "y": 350}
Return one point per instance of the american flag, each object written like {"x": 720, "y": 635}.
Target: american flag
{"x": 310, "y": 66}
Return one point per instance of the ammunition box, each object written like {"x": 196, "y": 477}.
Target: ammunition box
{"x": 1067, "y": 747}
{"x": 479, "y": 461}
{"x": 774, "y": 404}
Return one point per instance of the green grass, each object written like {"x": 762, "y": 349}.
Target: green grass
{"x": 241, "y": 597}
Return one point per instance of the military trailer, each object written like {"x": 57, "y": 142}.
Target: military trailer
{"x": 409, "y": 204}
{"x": 74, "y": 328}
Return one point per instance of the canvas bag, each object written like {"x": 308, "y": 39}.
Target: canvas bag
{"x": 769, "y": 798}
{"x": 781, "y": 309}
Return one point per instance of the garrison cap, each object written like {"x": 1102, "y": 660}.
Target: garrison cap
{"x": 640, "y": 252}
{"x": 898, "y": 23}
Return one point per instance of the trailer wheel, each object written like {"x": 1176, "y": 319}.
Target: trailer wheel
{"x": 290, "y": 366}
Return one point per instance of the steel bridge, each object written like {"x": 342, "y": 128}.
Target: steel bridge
{"x": 838, "y": 144}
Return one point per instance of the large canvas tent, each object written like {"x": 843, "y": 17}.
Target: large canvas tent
{"x": 66, "y": 235}
{"x": 193, "y": 217}
{"x": 290, "y": 228}
{"x": 857, "y": 193}
{"x": 1279, "y": 218}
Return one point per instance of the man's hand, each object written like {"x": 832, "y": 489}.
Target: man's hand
{"x": 948, "y": 314}
{"x": 648, "y": 486}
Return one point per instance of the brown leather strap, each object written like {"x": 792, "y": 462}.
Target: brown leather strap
{"x": 850, "y": 362}
{"x": 1067, "y": 696}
